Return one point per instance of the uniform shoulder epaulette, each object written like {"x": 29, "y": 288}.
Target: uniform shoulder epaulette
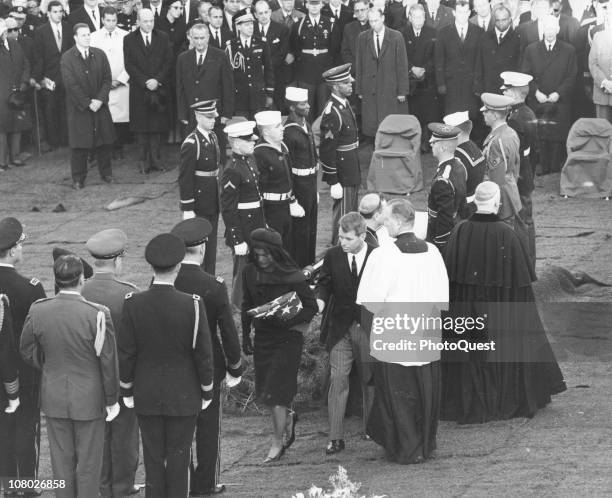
{"x": 328, "y": 107}
{"x": 446, "y": 172}
{"x": 34, "y": 281}
{"x": 195, "y": 297}
{"x": 191, "y": 138}
{"x": 129, "y": 295}
{"x": 219, "y": 279}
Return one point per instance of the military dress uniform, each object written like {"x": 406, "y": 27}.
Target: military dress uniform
{"x": 339, "y": 156}
{"x": 199, "y": 187}
{"x": 473, "y": 161}
{"x": 23, "y": 447}
{"x": 304, "y": 169}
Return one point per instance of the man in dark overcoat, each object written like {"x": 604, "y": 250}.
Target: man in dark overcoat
{"x": 87, "y": 78}
{"x": 148, "y": 61}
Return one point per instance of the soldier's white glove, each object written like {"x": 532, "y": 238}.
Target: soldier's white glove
{"x": 128, "y": 401}
{"x": 336, "y": 191}
{"x": 317, "y": 197}
{"x": 296, "y": 210}
{"x": 321, "y": 305}
{"x": 12, "y": 406}
{"x": 241, "y": 249}
{"x": 232, "y": 381}
{"x": 187, "y": 215}
{"x": 112, "y": 412}
{"x": 205, "y": 403}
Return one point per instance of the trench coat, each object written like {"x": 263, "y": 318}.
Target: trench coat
{"x": 84, "y": 81}
{"x": 14, "y": 71}
{"x": 380, "y": 80}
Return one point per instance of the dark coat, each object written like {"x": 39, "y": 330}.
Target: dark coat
{"x": 84, "y": 81}
{"x": 348, "y": 50}
{"x": 494, "y": 58}
{"x": 277, "y": 40}
{"x": 177, "y": 34}
{"x": 444, "y": 17}
{"x": 9, "y": 356}
{"x": 81, "y": 16}
{"x": 552, "y": 72}
{"x": 528, "y": 32}
{"x": 346, "y": 16}
{"x": 47, "y": 56}
{"x": 335, "y": 281}
{"x": 395, "y": 15}
{"x": 490, "y": 26}
{"x": 380, "y": 80}
{"x": 420, "y": 53}
{"x": 226, "y": 36}
{"x": 143, "y": 64}
{"x": 456, "y": 67}
{"x": 14, "y": 75}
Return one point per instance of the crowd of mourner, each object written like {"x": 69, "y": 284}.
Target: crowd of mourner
{"x": 262, "y": 96}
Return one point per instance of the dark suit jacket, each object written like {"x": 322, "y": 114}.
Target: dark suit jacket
{"x": 225, "y": 37}
{"x": 335, "y": 281}
{"x": 490, "y": 27}
{"x": 444, "y": 17}
{"x": 420, "y": 53}
{"x": 554, "y": 72}
{"x": 346, "y": 16}
{"x": 277, "y": 39}
{"x": 528, "y": 32}
{"x": 80, "y": 15}
{"x": 494, "y": 58}
{"x": 214, "y": 80}
{"x": 228, "y": 30}
{"x": 47, "y": 57}
{"x": 348, "y": 50}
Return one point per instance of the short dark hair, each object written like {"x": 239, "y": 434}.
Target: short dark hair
{"x": 54, "y": 3}
{"x": 215, "y": 7}
{"x": 79, "y": 25}
{"x": 67, "y": 271}
{"x": 353, "y": 221}
{"x": 111, "y": 11}
{"x": 462, "y": 3}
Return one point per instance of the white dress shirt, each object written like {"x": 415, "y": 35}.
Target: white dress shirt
{"x": 483, "y": 22}
{"x": 381, "y": 37}
{"x": 359, "y": 258}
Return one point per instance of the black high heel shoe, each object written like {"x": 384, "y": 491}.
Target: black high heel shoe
{"x": 291, "y": 439}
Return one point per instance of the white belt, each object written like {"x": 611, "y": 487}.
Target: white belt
{"x": 347, "y": 147}
{"x": 314, "y": 51}
{"x": 249, "y": 205}
{"x": 207, "y": 173}
{"x": 271, "y": 196}
{"x": 527, "y": 151}
{"x": 304, "y": 171}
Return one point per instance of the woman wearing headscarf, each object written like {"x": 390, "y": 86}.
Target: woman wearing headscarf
{"x": 277, "y": 348}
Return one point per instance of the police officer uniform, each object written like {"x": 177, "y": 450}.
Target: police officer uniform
{"x": 198, "y": 172}
{"x": 447, "y": 195}
{"x": 338, "y": 148}
{"x": 120, "y": 459}
{"x": 226, "y": 351}
{"x": 253, "y": 72}
{"x": 166, "y": 365}
{"x": 23, "y": 446}
{"x": 241, "y": 203}
{"x": 299, "y": 139}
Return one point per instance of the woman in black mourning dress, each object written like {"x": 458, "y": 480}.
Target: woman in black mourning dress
{"x": 277, "y": 347}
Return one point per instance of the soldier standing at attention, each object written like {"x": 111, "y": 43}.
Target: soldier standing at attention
{"x": 241, "y": 202}
{"x": 166, "y": 365}
{"x": 447, "y": 195}
{"x": 198, "y": 172}
{"x": 22, "y": 447}
{"x": 338, "y": 147}
{"x": 120, "y": 459}
{"x": 226, "y": 351}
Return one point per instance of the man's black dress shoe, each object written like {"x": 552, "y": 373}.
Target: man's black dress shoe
{"x": 218, "y": 489}
{"x": 335, "y": 446}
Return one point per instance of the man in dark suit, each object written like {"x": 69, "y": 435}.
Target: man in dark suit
{"x": 51, "y": 40}
{"x": 340, "y": 16}
{"x": 287, "y": 13}
{"x": 230, "y": 9}
{"x": 166, "y": 366}
{"x": 73, "y": 342}
{"x": 276, "y": 37}
{"x": 437, "y": 16}
{"x": 90, "y": 13}
{"x": 190, "y": 11}
{"x": 21, "y": 448}
{"x": 352, "y": 30}
{"x": 213, "y": 291}
{"x": 204, "y": 73}
{"x": 344, "y": 338}
{"x": 219, "y": 36}
{"x": 158, "y": 9}
{"x": 483, "y": 17}
{"x": 532, "y": 31}
{"x": 499, "y": 52}
{"x": 148, "y": 60}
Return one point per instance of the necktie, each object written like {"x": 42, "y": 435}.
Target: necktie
{"x": 354, "y": 273}
{"x": 377, "y": 45}
{"x": 483, "y": 24}
{"x": 93, "y": 14}
{"x": 147, "y": 42}
{"x": 200, "y": 60}
{"x": 500, "y": 39}
{"x": 86, "y": 54}
{"x": 432, "y": 15}
{"x": 550, "y": 48}
{"x": 217, "y": 37}
{"x": 462, "y": 35}
{"x": 58, "y": 35}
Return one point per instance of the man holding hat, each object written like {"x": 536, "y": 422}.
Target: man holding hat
{"x": 338, "y": 147}
{"x": 447, "y": 195}
{"x": 502, "y": 154}
{"x": 22, "y": 448}
{"x": 198, "y": 172}
{"x": 252, "y": 66}
{"x": 166, "y": 364}
{"x": 226, "y": 351}
{"x": 73, "y": 342}
{"x": 120, "y": 459}
{"x": 299, "y": 139}
{"x": 273, "y": 165}
{"x": 241, "y": 201}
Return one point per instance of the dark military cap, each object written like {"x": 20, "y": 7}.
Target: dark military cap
{"x": 206, "y": 108}
{"x": 266, "y": 236}
{"x": 338, "y": 74}
{"x": 60, "y": 251}
{"x": 67, "y": 268}
{"x": 242, "y": 16}
{"x": 107, "y": 244}
{"x": 165, "y": 251}
{"x": 441, "y": 131}
{"x": 193, "y": 232}
{"x": 18, "y": 12}
{"x": 11, "y": 233}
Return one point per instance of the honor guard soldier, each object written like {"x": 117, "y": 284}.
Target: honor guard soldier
{"x": 21, "y": 449}
{"x": 524, "y": 122}
{"x": 470, "y": 156}
{"x": 272, "y": 159}
{"x": 252, "y": 66}
{"x": 447, "y": 195}
{"x": 314, "y": 41}
{"x": 198, "y": 172}
{"x": 338, "y": 147}
{"x": 166, "y": 365}
{"x": 241, "y": 202}
{"x": 120, "y": 459}
{"x": 226, "y": 350}
{"x": 299, "y": 139}
{"x": 73, "y": 342}
{"x": 502, "y": 154}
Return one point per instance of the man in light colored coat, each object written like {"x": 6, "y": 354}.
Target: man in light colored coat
{"x": 600, "y": 66}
